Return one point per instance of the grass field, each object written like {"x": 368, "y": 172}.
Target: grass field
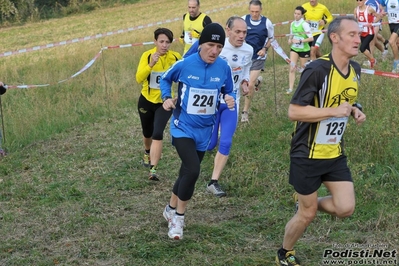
{"x": 73, "y": 191}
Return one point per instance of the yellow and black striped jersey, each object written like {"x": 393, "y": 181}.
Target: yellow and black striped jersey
{"x": 150, "y": 77}
{"x": 323, "y": 85}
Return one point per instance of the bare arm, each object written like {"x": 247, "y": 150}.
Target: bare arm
{"x": 358, "y": 115}
{"x": 377, "y": 16}
{"x": 311, "y": 114}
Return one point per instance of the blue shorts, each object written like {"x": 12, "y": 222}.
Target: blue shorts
{"x": 201, "y": 136}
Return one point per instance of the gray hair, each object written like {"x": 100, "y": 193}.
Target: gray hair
{"x": 335, "y": 25}
{"x": 231, "y": 20}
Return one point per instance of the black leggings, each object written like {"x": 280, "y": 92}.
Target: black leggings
{"x": 189, "y": 169}
{"x": 153, "y": 118}
{"x": 365, "y": 45}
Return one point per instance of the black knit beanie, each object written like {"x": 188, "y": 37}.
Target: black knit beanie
{"x": 213, "y": 32}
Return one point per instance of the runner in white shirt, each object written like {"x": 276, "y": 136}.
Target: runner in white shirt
{"x": 392, "y": 11}
{"x": 239, "y": 56}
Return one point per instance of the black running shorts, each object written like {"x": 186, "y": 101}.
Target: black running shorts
{"x": 394, "y": 28}
{"x": 307, "y": 175}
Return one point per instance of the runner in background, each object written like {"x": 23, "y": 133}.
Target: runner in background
{"x": 300, "y": 37}
{"x": 153, "y": 63}
{"x": 193, "y": 23}
{"x": 260, "y": 33}
{"x": 365, "y": 16}
{"x": 318, "y": 16}
{"x": 392, "y": 11}
{"x": 379, "y": 41}
{"x": 239, "y": 56}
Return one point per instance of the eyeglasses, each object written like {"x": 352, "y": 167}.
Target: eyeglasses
{"x": 359, "y": 0}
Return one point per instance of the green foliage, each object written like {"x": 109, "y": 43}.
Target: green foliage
{"x": 8, "y": 11}
{"x": 17, "y": 11}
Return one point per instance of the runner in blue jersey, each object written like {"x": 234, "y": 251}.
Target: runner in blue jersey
{"x": 239, "y": 56}
{"x": 201, "y": 78}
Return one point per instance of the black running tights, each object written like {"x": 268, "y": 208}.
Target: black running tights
{"x": 189, "y": 169}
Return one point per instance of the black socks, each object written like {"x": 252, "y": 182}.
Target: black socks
{"x": 212, "y": 182}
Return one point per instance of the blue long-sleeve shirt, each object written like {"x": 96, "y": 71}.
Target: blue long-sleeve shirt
{"x": 199, "y": 87}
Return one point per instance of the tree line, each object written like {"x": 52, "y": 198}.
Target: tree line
{"x": 20, "y": 11}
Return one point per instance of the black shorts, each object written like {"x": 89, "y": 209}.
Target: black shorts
{"x": 302, "y": 54}
{"x": 153, "y": 118}
{"x": 394, "y": 28}
{"x": 313, "y": 43}
{"x": 306, "y": 175}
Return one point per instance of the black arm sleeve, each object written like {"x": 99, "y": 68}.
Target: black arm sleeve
{"x": 182, "y": 34}
{"x": 2, "y": 90}
{"x": 207, "y": 20}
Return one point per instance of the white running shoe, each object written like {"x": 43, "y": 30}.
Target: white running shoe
{"x": 384, "y": 55}
{"x": 366, "y": 63}
{"x": 288, "y": 91}
{"x": 168, "y": 215}
{"x": 176, "y": 228}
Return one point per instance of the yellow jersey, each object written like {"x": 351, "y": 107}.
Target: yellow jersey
{"x": 192, "y": 29}
{"x": 314, "y": 14}
{"x": 322, "y": 85}
{"x": 150, "y": 77}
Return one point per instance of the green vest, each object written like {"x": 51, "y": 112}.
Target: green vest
{"x": 299, "y": 33}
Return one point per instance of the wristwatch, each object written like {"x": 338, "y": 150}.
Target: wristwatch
{"x": 358, "y": 106}
{"x": 165, "y": 98}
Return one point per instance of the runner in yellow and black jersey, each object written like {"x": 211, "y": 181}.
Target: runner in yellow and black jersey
{"x": 153, "y": 63}
{"x": 321, "y": 106}
{"x": 323, "y": 85}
